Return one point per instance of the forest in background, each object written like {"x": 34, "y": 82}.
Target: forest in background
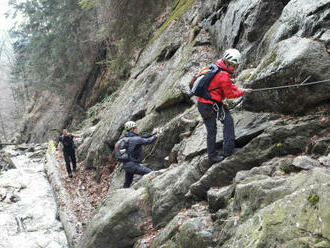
{"x": 10, "y": 107}
{"x": 72, "y": 55}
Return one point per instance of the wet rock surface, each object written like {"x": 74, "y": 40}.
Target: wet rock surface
{"x": 6, "y": 163}
{"x": 28, "y": 216}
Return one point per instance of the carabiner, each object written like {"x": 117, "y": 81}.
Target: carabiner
{"x": 216, "y": 107}
{"x": 221, "y": 114}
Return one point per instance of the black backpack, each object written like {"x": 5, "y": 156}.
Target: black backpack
{"x": 200, "y": 83}
{"x": 67, "y": 142}
{"x": 121, "y": 152}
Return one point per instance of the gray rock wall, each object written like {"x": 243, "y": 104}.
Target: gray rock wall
{"x": 275, "y": 186}
{"x": 240, "y": 24}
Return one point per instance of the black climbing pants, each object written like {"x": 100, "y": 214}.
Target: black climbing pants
{"x": 70, "y": 156}
{"x": 210, "y": 120}
{"x": 132, "y": 168}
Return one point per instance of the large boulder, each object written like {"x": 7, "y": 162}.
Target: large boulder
{"x": 6, "y": 163}
{"x": 257, "y": 193}
{"x": 325, "y": 160}
{"x": 292, "y": 61}
{"x": 267, "y": 169}
{"x": 301, "y": 18}
{"x": 117, "y": 179}
{"x": 167, "y": 190}
{"x": 247, "y": 126}
{"x": 218, "y": 198}
{"x": 282, "y": 211}
{"x": 305, "y": 162}
{"x": 191, "y": 228}
{"x": 279, "y": 139}
{"x": 119, "y": 221}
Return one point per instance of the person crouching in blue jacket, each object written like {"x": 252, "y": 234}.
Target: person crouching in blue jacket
{"x": 134, "y": 150}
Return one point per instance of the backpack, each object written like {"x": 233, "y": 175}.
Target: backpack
{"x": 121, "y": 147}
{"x": 199, "y": 84}
{"x": 67, "y": 142}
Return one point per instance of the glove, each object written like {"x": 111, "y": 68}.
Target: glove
{"x": 158, "y": 131}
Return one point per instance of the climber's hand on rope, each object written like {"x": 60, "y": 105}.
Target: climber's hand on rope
{"x": 158, "y": 131}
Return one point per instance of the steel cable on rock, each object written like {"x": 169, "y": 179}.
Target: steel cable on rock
{"x": 239, "y": 103}
{"x": 291, "y": 85}
{"x": 153, "y": 147}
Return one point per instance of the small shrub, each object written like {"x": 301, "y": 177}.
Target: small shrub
{"x": 313, "y": 199}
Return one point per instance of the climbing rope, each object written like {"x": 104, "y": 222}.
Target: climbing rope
{"x": 291, "y": 85}
{"x": 239, "y": 103}
{"x": 152, "y": 149}
{"x": 234, "y": 107}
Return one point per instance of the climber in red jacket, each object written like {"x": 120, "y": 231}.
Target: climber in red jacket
{"x": 220, "y": 88}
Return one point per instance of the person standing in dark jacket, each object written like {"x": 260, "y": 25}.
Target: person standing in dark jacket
{"x": 134, "y": 150}
{"x": 220, "y": 88}
{"x": 68, "y": 148}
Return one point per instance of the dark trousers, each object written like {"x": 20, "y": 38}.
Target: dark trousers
{"x": 69, "y": 155}
{"x": 210, "y": 121}
{"x": 132, "y": 168}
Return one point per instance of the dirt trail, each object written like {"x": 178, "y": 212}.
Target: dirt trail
{"x": 83, "y": 193}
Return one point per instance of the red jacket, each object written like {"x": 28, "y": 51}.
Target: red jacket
{"x": 222, "y": 80}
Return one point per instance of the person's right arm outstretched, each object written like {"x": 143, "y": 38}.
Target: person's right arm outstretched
{"x": 134, "y": 147}
{"x": 146, "y": 141}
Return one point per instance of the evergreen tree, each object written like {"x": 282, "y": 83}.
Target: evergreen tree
{"x": 52, "y": 41}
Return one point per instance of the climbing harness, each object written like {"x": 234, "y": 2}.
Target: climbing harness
{"x": 215, "y": 107}
{"x": 219, "y": 111}
{"x": 221, "y": 114}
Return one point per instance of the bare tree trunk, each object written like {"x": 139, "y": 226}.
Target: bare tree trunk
{"x": 3, "y": 128}
{"x": 1, "y": 119}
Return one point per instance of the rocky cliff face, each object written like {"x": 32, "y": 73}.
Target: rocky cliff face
{"x": 273, "y": 192}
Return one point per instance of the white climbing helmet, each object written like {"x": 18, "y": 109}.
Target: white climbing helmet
{"x": 233, "y": 56}
{"x": 130, "y": 125}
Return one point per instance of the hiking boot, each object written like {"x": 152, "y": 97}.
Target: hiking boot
{"x": 216, "y": 159}
{"x": 236, "y": 149}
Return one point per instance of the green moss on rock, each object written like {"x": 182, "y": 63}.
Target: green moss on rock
{"x": 178, "y": 9}
{"x": 253, "y": 76}
{"x": 313, "y": 199}
{"x": 245, "y": 75}
{"x": 271, "y": 58}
